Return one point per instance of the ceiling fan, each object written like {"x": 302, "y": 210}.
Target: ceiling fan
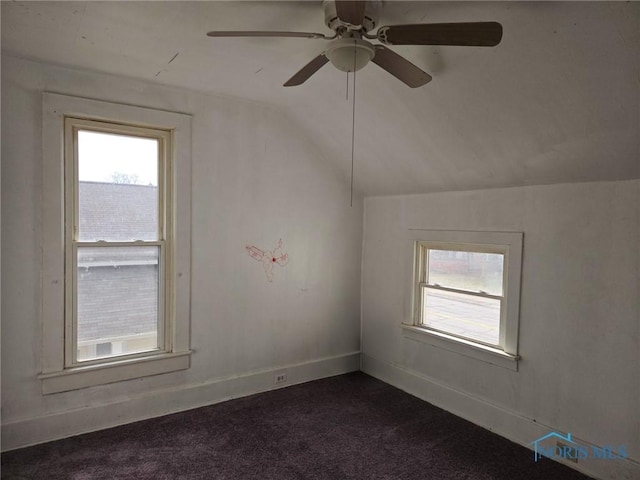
{"x": 350, "y": 49}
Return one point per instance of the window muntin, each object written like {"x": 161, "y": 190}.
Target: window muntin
{"x": 460, "y": 291}
{"x": 117, "y": 229}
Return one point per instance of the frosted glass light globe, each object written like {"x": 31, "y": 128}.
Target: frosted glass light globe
{"x": 345, "y": 53}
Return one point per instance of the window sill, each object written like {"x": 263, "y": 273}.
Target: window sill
{"x": 115, "y": 371}
{"x": 483, "y": 353}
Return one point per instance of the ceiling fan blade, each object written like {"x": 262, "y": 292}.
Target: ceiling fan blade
{"x": 267, "y": 34}
{"x": 477, "y": 34}
{"x": 305, "y": 72}
{"x": 350, "y": 11}
{"x": 400, "y": 67}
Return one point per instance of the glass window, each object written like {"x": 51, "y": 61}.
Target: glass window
{"x": 116, "y": 240}
{"x": 117, "y": 300}
{"x": 466, "y": 316}
{"x": 116, "y": 264}
{"x": 117, "y": 187}
{"x": 472, "y": 271}
{"x": 461, "y": 291}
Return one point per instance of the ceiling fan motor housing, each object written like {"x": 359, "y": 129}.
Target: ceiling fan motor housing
{"x": 371, "y": 15}
{"x": 350, "y": 54}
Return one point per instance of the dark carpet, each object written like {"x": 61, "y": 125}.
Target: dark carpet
{"x": 346, "y": 427}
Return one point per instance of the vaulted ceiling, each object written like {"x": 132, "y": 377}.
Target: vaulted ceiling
{"x": 557, "y": 101}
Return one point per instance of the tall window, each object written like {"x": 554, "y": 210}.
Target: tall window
{"x": 117, "y": 179}
{"x": 116, "y": 255}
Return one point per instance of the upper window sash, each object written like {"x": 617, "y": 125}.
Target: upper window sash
{"x": 164, "y": 140}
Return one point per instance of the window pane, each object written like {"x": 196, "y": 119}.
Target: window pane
{"x": 118, "y": 297}
{"x": 468, "y": 316}
{"x": 118, "y": 190}
{"x": 476, "y": 272}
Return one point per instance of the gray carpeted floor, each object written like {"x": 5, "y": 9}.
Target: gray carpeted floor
{"x": 346, "y": 427}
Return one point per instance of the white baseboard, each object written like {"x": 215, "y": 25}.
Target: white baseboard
{"x": 504, "y": 422}
{"x": 59, "y": 425}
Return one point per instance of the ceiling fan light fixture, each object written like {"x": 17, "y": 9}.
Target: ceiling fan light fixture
{"x": 352, "y": 20}
{"x": 345, "y": 53}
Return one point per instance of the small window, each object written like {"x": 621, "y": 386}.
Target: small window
{"x": 467, "y": 290}
{"x": 462, "y": 292}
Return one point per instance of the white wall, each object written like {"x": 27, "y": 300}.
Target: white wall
{"x": 256, "y": 179}
{"x": 579, "y": 321}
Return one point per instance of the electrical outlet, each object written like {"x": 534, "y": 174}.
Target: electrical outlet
{"x": 567, "y": 452}
{"x": 281, "y": 377}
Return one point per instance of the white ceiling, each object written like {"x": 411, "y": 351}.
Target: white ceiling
{"x": 557, "y": 101}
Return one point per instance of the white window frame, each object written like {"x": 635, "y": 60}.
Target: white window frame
{"x": 72, "y": 126}
{"x": 508, "y": 244}
{"x": 60, "y": 371}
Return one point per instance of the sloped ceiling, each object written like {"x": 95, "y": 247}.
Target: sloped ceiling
{"x": 557, "y": 101}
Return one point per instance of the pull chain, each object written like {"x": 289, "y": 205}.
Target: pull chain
{"x": 347, "y": 85}
{"x": 353, "y": 117}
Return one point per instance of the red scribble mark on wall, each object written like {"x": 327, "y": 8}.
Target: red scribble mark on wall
{"x": 268, "y": 258}
{"x": 255, "y": 252}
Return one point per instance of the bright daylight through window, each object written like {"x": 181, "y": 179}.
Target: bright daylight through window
{"x": 116, "y": 241}
{"x": 462, "y": 293}
{"x": 466, "y": 293}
